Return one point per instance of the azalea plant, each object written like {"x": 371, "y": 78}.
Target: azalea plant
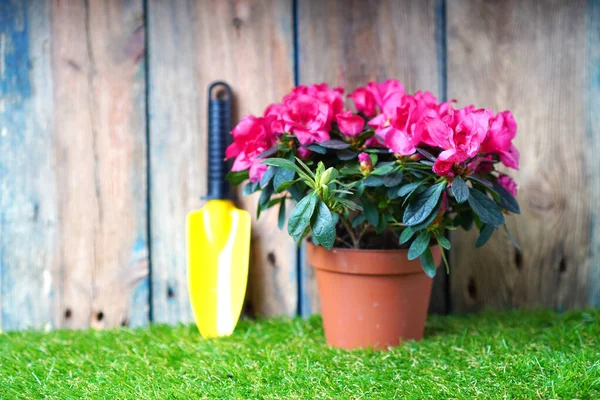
{"x": 397, "y": 172}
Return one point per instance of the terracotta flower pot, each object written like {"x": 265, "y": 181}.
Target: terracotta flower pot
{"x": 371, "y": 298}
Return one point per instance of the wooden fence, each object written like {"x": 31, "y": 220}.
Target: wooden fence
{"x": 102, "y": 142}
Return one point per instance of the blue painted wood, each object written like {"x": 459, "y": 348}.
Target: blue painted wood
{"x": 73, "y": 227}
{"x": 100, "y": 134}
{"x": 593, "y": 149}
{"x": 27, "y": 185}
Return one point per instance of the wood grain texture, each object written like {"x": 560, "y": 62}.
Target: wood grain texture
{"x": 352, "y": 42}
{"x": 98, "y": 49}
{"x": 593, "y": 147}
{"x": 249, "y": 45}
{"x": 28, "y": 218}
{"x": 530, "y": 57}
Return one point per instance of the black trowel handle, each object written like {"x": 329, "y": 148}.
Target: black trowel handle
{"x": 219, "y": 126}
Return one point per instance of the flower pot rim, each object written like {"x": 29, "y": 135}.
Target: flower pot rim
{"x": 352, "y": 250}
{"x": 364, "y": 261}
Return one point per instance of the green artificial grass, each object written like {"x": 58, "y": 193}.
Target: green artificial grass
{"x": 492, "y": 355}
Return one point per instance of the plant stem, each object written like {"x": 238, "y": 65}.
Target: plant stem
{"x": 362, "y": 233}
{"x": 350, "y": 231}
{"x": 344, "y": 242}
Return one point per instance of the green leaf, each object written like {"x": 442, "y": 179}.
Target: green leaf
{"x": 486, "y": 208}
{"x": 512, "y": 238}
{"x": 250, "y": 188}
{"x": 237, "y": 177}
{"x": 274, "y": 201}
{"x": 428, "y": 264}
{"x": 300, "y": 218}
{"x": 418, "y": 210}
{"x": 408, "y": 188}
{"x": 394, "y": 178}
{"x": 481, "y": 180}
{"x": 370, "y": 211}
{"x": 296, "y": 190}
{"x": 285, "y": 185}
{"x": 443, "y": 241}
{"x": 460, "y": 189}
{"x": 268, "y": 175}
{"x": 392, "y": 192}
{"x": 320, "y": 168}
{"x": 265, "y": 196}
{"x": 464, "y": 220}
{"x": 417, "y": 174}
{"x": 359, "y": 189}
{"x": 268, "y": 152}
{"x": 284, "y": 163}
{"x": 352, "y": 170}
{"x": 346, "y": 155}
{"x": 374, "y": 158}
{"x": 373, "y": 181}
{"x": 303, "y": 165}
{"x": 334, "y": 144}
{"x": 281, "y": 215}
{"x": 359, "y": 219}
{"x": 386, "y": 169}
{"x": 349, "y": 204}
{"x": 323, "y": 226}
{"x": 427, "y": 154}
{"x": 428, "y": 220}
{"x": 316, "y": 148}
{"x": 282, "y": 176}
{"x": 484, "y": 235}
{"x": 406, "y": 234}
{"x": 381, "y": 224}
{"x": 419, "y": 245}
{"x": 507, "y": 200}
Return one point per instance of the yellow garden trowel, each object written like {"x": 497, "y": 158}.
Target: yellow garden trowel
{"x": 218, "y": 235}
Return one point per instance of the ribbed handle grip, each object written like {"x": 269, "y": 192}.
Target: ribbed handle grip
{"x": 219, "y": 126}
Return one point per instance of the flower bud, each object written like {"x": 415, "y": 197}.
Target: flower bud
{"x": 366, "y": 164}
{"x": 327, "y": 176}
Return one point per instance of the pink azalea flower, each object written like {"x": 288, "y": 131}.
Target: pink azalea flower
{"x": 387, "y": 95}
{"x": 304, "y": 153}
{"x": 502, "y": 131}
{"x": 366, "y": 164}
{"x": 426, "y": 103}
{"x": 427, "y": 106}
{"x": 397, "y": 128}
{"x": 459, "y": 134}
{"x": 276, "y": 111}
{"x": 333, "y": 97}
{"x": 350, "y": 124}
{"x": 510, "y": 158}
{"x": 442, "y": 168}
{"x": 507, "y": 183}
{"x": 307, "y": 118}
{"x": 364, "y": 101}
{"x": 251, "y": 137}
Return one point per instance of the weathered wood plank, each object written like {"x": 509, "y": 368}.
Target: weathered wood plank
{"x": 593, "y": 147}
{"x": 352, "y": 42}
{"x": 99, "y": 97}
{"x": 248, "y": 44}
{"x": 28, "y": 218}
{"x": 530, "y": 57}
